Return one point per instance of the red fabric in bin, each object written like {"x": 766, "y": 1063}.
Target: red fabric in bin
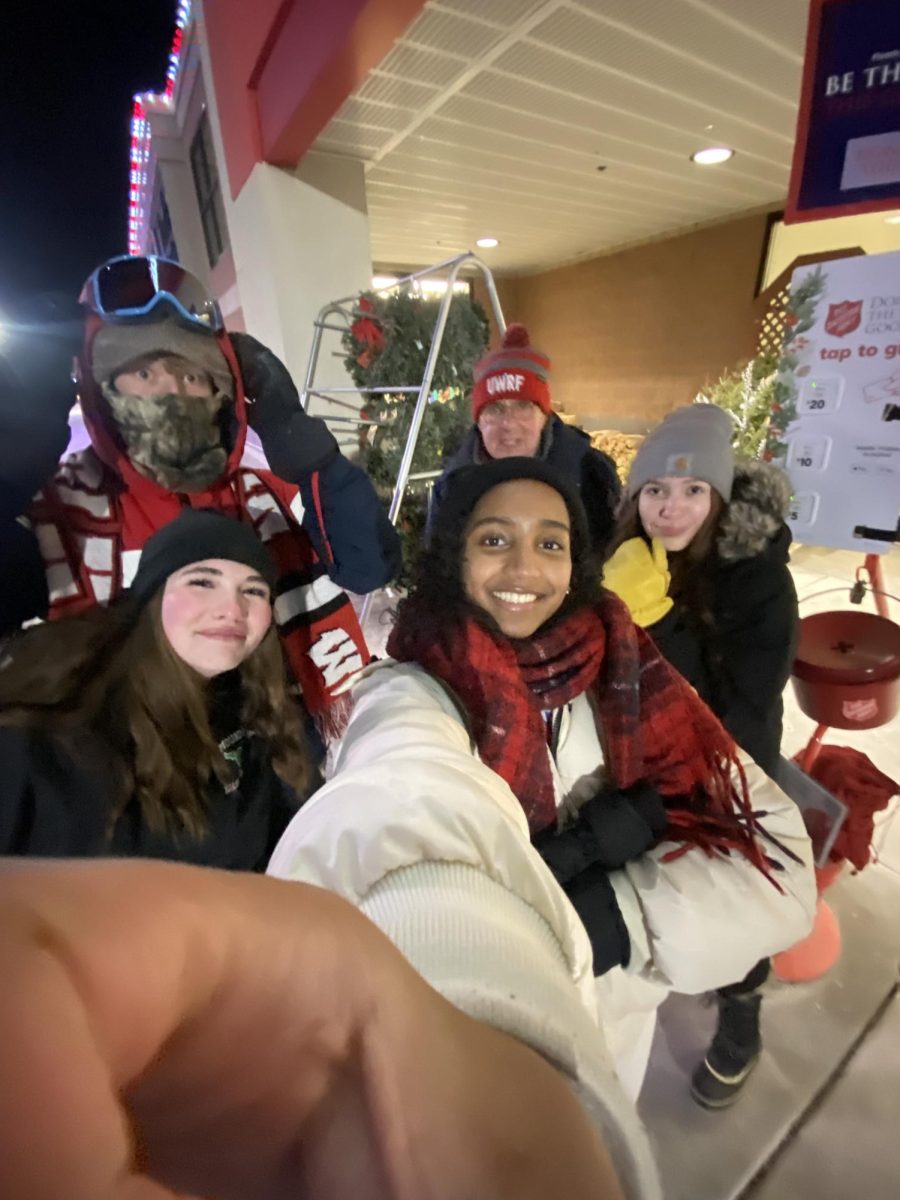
{"x": 853, "y": 778}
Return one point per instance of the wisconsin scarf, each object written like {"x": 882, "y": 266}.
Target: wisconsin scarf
{"x": 652, "y": 725}
{"x": 91, "y": 530}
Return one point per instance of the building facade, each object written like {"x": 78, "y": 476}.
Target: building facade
{"x": 298, "y": 146}
{"x": 222, "y": 177}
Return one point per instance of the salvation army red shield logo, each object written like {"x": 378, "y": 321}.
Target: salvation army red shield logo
{"x": 843, "y": 318}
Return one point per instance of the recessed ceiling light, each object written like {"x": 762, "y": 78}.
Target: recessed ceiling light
{"x": 893, "y": 219}
{"x": 712, "y": 155}
{"x": 487, "y": 243}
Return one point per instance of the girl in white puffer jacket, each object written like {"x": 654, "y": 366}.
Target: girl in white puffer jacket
{"x": 531, "y": 719}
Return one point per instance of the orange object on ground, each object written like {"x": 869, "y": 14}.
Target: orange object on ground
{"x": 818, "y": 952}
{"x": 854, "y": 779}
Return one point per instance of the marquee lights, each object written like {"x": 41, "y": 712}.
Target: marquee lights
{"x": 181, "y": 19}
{"x": 140, "y": 132}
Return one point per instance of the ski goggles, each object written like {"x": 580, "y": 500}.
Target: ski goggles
{"x": 126, "y": 288}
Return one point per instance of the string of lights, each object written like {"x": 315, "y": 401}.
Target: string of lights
{"x": 138, "y": 202}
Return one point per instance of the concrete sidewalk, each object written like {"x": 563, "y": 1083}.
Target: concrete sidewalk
{"x": 820, "y": 1118}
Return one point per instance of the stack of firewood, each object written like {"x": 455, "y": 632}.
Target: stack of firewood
{"x": 621, "y": 447}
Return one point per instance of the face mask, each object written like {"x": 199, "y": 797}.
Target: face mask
{"x": 174, "y": 440}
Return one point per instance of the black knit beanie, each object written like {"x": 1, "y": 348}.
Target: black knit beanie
{"x": 197, "y": 534}
{"x": 466, "y": 486}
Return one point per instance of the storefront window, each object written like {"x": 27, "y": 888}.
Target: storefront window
{"x": 162, "y": 235}
{"x": 209, "y": 194}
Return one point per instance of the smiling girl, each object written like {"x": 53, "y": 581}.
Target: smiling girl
{"x": 530, "y": 759}
{"x": 701, "y": 559}
{"x": 160, "y": 727}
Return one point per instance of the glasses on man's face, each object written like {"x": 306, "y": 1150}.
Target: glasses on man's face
{"x": 518, "y": 411}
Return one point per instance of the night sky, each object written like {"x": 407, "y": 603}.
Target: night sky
{"x": 68, "y": 70}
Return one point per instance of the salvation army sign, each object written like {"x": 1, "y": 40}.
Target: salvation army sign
{"x": 843, "y": 318}
{"x": 847, "y": 152}
{"x": 835, "y": 424}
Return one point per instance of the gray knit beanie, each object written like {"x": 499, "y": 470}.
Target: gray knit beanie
{"x": 693, "y": 442}
{"x": 117, "y": 345}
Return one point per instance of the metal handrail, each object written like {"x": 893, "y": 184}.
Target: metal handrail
{"x": 326, "y": 311}
{"x": 355, "y": 421}
{"x": 340, "y": 403}
{"x": 437, "y": 338}
{"x": 331, "y": 328}
{"x": 386, "y": 391}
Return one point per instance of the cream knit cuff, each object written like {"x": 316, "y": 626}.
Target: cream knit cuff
{"x": 493, "y": 956}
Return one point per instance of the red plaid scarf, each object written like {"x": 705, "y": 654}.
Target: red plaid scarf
{"x": 653, "y": 726}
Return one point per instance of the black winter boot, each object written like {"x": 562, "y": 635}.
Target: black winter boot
{"x": 733, "y": 1054}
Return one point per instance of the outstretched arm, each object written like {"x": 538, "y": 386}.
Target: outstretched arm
{"x": 433, "y": 847}
{"x": 168, "y": 1030}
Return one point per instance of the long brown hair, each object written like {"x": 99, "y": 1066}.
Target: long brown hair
{"x": 113, "y": 673}
{"x": 690, "y": 582}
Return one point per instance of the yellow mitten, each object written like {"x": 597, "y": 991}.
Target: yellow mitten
{"x": 639, "y": 575}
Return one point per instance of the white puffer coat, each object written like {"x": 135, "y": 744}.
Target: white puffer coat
{"x": 434, "y": 847}
{"x": 697, "y": 923}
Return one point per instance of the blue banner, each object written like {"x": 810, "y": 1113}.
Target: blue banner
{"x": 847, "y": 156}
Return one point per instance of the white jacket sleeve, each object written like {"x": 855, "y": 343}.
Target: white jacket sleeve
{"x": 698, "y": 922}
{"x": 434, "y": 848}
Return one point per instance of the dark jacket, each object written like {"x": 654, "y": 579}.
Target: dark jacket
{"x": 567, "y": 449}
{"x": 56, "y": 795}
{"x": 742, "y": 663}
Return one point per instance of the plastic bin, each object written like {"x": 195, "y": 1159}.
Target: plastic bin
{"x": 846, "y": 672}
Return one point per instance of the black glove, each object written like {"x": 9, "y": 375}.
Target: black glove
{"x": 295, "y": 444}
{"x": 649, "y": 805}
{"x": 611, "y": 830}
{"x": 594, "y": 899}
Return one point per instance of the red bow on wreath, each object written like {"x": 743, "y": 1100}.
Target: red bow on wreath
{"x": 369, "y": 332}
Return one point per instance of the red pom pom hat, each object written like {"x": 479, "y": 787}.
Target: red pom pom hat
{"x": 517, "y": 371}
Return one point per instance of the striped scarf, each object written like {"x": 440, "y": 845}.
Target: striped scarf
{"x": 91, "y": 530}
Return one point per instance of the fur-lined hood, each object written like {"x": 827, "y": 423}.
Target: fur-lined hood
{"x": 756, "y": 512}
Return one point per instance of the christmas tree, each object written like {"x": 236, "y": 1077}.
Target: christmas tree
{"x": 748, "y": 394}
{"x": 800, "y": 316}
{"x": 387, "y": 347}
